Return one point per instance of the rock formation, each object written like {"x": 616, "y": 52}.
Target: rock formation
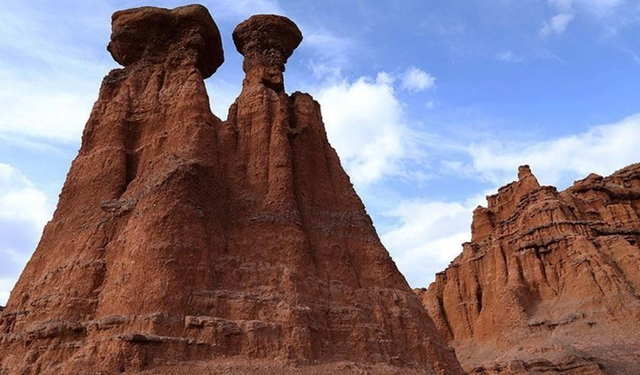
{"x": 550, "y": 282}
{"x": 185, "y": 244}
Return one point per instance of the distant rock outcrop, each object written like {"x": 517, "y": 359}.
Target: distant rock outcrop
{"x": 185, "y": 244}
{"x": 550, "y": 282}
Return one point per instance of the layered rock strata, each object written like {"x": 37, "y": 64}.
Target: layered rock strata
{"x": 186, "y": 244}
{"x": 550, "y": 282}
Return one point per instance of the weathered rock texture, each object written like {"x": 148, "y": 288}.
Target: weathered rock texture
{"x": 550, "y": 281}
{"x": 184, "y": 244}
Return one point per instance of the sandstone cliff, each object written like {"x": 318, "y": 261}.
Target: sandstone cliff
{"x": 550, "y": 282}
{"x": 185, "y": 244}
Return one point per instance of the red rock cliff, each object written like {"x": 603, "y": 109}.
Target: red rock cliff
{"x": 182, "y": 239}
{"x": 549, "y": 282}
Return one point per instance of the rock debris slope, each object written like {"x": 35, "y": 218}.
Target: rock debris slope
{"x": 550, "y": 282}
{"x": 185, "y": 244}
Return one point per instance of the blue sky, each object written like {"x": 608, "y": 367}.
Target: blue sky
{"x": 431, "y": 105}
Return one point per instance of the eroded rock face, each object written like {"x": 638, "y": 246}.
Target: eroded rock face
{"x": 550, "y": 281}
{"x": 185, "y": 244}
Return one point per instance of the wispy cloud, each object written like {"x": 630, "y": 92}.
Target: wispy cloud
{"x": 53, "y": 113}
{"x": 329, "y": 53}
{"x": 600, "y": 8}
{"x": 431, "y": 104}
{"x": 557, "y": 25}
{"x": 602, "y": 149}
{"x": 597, "y": 7}
{"x": 24, "y": 210}
{"x": 633, "y": 55}
{"x": 610, "y": 14}
{"x": 508, "y": 56}
{"x": 562, "y": 5}
{"x": 417, "y": 80}
{"x": 64, "y": 64}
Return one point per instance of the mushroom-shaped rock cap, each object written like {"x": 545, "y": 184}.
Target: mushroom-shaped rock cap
{"x": 156, "y": 34}
{"x": 269, "y": 38}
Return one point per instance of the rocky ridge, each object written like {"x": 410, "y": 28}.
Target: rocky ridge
{"x": 182, "y": 243}
{"x": 550, "y": 282}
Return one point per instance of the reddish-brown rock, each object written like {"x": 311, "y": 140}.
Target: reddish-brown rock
{"x": 550, "y": 282}
{"x": 183, "y": 244}
{"x": 184, "y": 35}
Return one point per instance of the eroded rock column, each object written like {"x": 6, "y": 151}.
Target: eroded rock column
{"x": 127, "y": 244}
{"x": 261, "y": 113}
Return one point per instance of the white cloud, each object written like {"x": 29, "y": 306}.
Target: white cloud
{"x": 508, "y": 56}
{"x": 598, "y": 7}
{"x": 602, "y": 149}
{"x": 20, "y": 200}
{"x": 50, "y": 75}
{"x": 614, "y": 13}
{"x": 428, "y": 236}
{"x": 562, "y": 5}
{"x": 430, "y": 104}
{"x": 633, "y": 55}
{"x": 365, "y": 123}
{"x": 24, "y": 211}
{"x": 6, "y": 284}
{"x": 53, "y": 113}
{"x": 594, "y": 6}
{"x": 557, "y": 25}
{"x": 416, "y": 80}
